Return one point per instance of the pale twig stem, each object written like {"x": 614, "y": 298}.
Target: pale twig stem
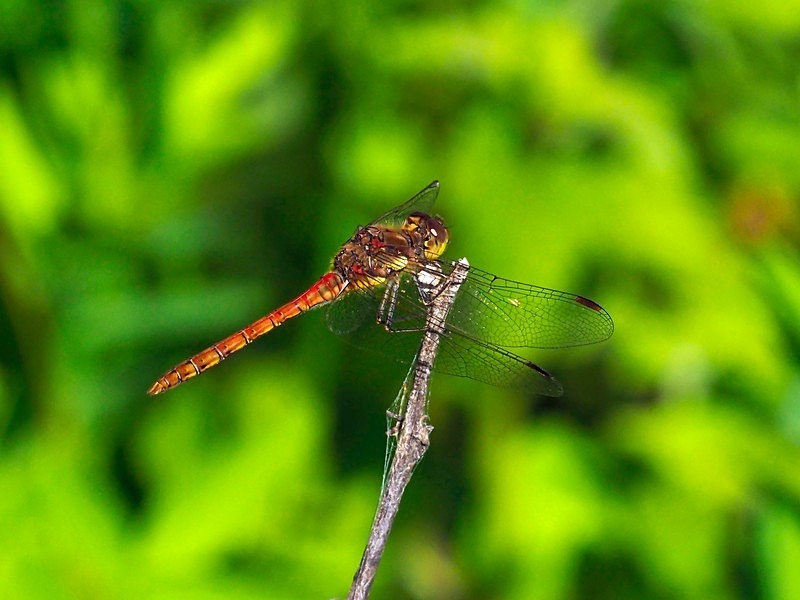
{"x": 413, "y": 438}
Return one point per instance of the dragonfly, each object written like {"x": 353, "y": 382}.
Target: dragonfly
{"x": 378, "y": 291}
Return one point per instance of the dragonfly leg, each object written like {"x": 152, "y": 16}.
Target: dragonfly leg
{"x": 388, "y": 307}
{"x": 388, "y": 303}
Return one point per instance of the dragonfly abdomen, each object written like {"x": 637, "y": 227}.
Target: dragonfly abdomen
{"x": 325, "y": 290}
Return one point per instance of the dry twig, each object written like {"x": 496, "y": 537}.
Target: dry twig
{"x": 413, "y": 437}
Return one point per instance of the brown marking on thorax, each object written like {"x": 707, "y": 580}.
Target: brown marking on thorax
{"x": 376, "y": 253}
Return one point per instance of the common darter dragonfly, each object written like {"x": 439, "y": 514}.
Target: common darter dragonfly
{"x": 375, "y": 295}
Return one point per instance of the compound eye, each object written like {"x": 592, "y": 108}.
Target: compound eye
{"x": 437, "y": 229}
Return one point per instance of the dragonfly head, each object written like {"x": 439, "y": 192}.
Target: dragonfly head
{"x": 432, "y": 231}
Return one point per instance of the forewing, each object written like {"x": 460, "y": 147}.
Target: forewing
{"x": 421, "y": 202}
{"x": 512, "y": 314}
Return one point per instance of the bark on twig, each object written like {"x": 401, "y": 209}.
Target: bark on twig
{"x": 413, "y": 437}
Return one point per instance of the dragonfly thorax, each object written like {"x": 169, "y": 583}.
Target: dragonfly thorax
{"x": 374, "y": 254}
{"x": 377, "y": 252}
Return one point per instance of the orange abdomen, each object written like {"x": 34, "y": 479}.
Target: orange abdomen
{"x": 327, "y": 289}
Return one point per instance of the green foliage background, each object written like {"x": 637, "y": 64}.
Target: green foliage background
{"x": 170, "y": 171}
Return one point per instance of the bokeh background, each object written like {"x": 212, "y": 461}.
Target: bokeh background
{"x": 170, "y": 171}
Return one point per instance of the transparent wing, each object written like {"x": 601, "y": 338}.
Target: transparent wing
{"x": 356, "y": 313}
{"x": 421, "y": 202}
{"x": 355, "y": 316}
{"x": 508, "y": 313}
{"x": 495, "y": 366}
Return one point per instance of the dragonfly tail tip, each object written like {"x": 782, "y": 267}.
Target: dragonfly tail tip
{"x": 156, "y": 389}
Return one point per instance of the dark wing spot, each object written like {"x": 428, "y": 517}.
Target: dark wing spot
{"x": 588, "y": 303}
{"x": 539, "y": 369}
